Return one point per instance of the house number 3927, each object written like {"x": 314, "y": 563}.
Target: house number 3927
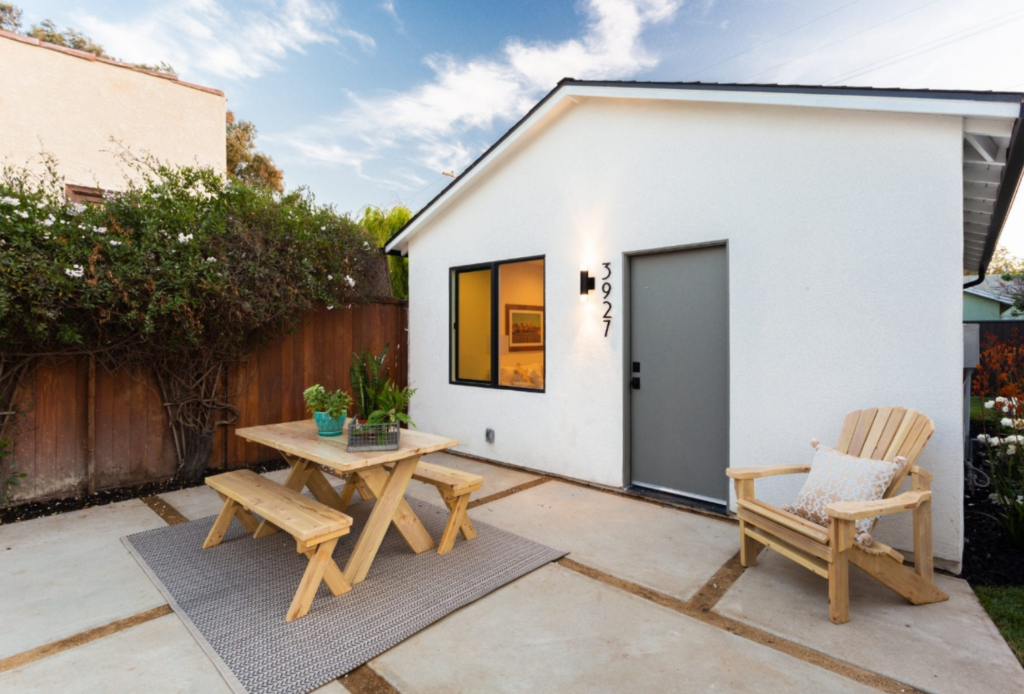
{"x": 606, "y": 288}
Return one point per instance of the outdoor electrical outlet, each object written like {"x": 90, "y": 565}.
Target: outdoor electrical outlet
{"x": 489, "y": 435}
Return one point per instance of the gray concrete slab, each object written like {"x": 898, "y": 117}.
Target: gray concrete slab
{"x": 949, "y": 648}
{"x": 158, "y": 656}
{"x": 555, "y": 630}
{"x": 194, "y": 502}
{"x": 64, "y": 574}
{"x": 496, "y": 478}
{"x": 665, "y": 549}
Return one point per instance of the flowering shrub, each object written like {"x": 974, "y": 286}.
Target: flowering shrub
{"x": 1001, "y": 371}
{"x": 182, "y": 273}
{"x": 1006, "y": 462}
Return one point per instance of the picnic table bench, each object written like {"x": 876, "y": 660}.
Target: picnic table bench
{"x": 381, "y": 476}
{"x": 316, "y": 528}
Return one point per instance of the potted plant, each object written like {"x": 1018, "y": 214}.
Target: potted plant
{"x": 393, "y": 405}
{"x": 329, "y": 409}
{"x": 382, "y": 429}
{"x": 369, "y": 377}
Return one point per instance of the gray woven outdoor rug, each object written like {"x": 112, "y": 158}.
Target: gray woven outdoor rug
{"x": 233, "y": 597}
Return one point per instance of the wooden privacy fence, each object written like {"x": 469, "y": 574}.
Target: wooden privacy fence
{"x": 1011, "y": 331}
{"x": 111, "y": 427}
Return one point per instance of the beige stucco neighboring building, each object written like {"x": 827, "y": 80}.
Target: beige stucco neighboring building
{"x": 80, "y": 108}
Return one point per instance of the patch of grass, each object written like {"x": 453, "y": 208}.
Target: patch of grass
{"x": 1005, "y": 605}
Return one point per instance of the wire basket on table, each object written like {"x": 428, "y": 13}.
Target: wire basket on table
{"x": 373, "y": 437}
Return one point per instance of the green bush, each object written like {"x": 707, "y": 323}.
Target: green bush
{"x": 183, "y": 272}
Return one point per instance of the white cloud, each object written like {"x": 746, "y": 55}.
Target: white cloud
{"x": 389, "y": 7}
{"x": 201, "y": 35}
{"x": 467, "y": 97}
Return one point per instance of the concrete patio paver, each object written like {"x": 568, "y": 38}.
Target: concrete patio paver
{"x": 557, "y": 631}
{"x": 668, "y": 550}
{"x": 158, "y": 656}
{"x": 194, "y": 502}
{"x": 948, "y": 648}
{"x": 65, "y": 574}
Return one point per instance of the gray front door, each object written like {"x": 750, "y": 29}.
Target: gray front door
{"x": 679, "y": 389}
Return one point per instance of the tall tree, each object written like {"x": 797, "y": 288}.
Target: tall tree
{"x": 10, "y": 17}
{"x": 69, "y": 38}
{"x": 245, "y": 162}
{"x": 1005, "y": 263}
{"x": 382, "y": 225}
{"x": 10, "y": 20}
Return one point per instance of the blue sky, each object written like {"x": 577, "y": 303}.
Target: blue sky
{"x": 367, "y": 102}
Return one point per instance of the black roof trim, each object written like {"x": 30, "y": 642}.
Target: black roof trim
{"x": 1016, "y": 147}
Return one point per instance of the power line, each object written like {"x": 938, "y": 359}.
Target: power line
{"x": 928, "y": 47}
{"x": 758, "y": 45}
{"x": 847, "y": 38}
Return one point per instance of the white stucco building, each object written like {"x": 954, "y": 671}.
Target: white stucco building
{"x": 766, "y": 259}
{"x": 81, "y": 109}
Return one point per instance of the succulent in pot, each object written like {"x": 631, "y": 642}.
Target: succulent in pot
{"x": 329, "y": 409}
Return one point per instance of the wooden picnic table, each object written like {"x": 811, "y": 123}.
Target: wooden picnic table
{"x": 304, "y": 449}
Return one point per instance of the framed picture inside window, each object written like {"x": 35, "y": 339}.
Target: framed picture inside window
{"x": 524, "y": 326}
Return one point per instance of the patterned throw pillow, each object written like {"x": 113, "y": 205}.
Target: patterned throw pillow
{"x": 836, "y": 477}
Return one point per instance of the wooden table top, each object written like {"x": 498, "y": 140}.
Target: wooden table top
{"x": 301, "y": 439}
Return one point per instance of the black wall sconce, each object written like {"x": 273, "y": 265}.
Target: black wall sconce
{"x": 587, "y": 284}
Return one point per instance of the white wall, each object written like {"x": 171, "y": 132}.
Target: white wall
{"x": 844, "y": 242}
{"x": 71, "y": 107}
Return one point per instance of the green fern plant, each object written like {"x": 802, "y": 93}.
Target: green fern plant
{"x": 393, "y": 405}
{"x": 369, "y": 378}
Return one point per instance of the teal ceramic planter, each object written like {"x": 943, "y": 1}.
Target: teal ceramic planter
{"x": 327, "y": 425}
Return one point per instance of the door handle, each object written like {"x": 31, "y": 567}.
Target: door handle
{"x": 635, "y": 383}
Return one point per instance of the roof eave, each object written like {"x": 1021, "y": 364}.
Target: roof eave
{"x": 964, "y": 104}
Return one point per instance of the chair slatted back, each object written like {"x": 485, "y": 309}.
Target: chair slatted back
{"x": 884, "y": 433}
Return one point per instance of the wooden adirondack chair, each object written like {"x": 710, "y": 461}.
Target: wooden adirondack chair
{"x": 883, "y": 433}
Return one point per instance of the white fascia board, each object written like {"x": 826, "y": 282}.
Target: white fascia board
{"x": 964, "y": 108}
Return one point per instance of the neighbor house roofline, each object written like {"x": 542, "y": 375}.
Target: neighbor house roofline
{"x": 963, "y": 103}
{"x": 116, "y": 63}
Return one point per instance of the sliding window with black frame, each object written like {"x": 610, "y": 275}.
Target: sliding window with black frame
{"x": 497, "y": 337}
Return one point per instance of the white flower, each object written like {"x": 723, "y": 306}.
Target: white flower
{"x": 1006, "y": 422}
{"x": 351, "y": 282}
{"x": 330, "y": 308}
{"x": 21, "y": 213}
{"x": 990, "y": 404}
{"x": 994, "y": 441}
{"x": 330, "y": 277}
{"x": 184, "y": 238}
{"x": 211, "y": 259}
{"x": 10, "y": 201}
{"x": 323, "y": 228}
{"x": 1011, "y": 449}
{"x": 982, "y": 437}
{"x": 74, "y": 271}
{"x": 114, "y": 243}
{"x": 48, "y": 222}
{"x": 76, "y": 208}
{"x": 41, "y": 204}
{"x": 100, "y": 230}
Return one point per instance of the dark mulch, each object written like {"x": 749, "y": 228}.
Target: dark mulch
{"x": 990, "y": 558}
{"x": 35, "y": 509}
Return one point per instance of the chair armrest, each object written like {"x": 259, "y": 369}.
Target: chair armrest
{"x": 858, "y": 510}
{"x": 759, "y": 471}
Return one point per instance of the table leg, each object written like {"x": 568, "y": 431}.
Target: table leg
{"x": 322, "y": 490}
{"x": 405, "y": 520}
{"x": 384, "y": 511}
